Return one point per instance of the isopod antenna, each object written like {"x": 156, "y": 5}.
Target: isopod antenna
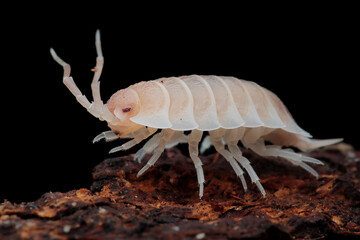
{"x": 95, "y": 85}
{"x": 97, "y": 107}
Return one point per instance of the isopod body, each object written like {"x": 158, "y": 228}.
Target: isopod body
{"x": 231, "y": 110}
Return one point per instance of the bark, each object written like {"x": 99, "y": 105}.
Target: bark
{"x": 164, "y": 202}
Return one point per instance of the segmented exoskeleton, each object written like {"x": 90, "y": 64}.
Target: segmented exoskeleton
{"x": 231, "y": 110}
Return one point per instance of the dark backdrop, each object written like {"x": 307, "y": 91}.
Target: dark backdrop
{"x": 308, "y": 58}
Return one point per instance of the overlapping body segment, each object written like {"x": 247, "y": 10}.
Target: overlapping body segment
{"x": 181, "y": 109}
{"x": 208, "y": 102}
{"x": 154, "y": 102}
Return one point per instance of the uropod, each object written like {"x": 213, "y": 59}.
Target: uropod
{"x": 230, "y": 109}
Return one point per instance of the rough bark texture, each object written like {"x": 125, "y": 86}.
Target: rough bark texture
{"x": 164, "y": 202}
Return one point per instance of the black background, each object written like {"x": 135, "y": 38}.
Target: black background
{"x": 308, "y": 56}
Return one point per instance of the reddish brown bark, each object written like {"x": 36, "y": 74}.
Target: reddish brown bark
{"x": 164, "y": 202}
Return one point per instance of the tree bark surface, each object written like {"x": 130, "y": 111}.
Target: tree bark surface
{"x": 164, "y": 204}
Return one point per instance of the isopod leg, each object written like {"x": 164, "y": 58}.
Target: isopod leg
{"x": 176, "y": 138}
{"x": 138, "y": 136}
{"x": 295, "y": 158}
{"x": 205, "y": 144}
{"x": 245, "y": 163}
{"x": 107, "y": 135}
{"x": 165, "y": 136}
{"x": 149, "y": 146}
{"x": 216, "y": 139}
{"x": 194, "y": 139}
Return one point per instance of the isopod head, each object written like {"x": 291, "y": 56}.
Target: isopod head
{"x": 124, "y": 104}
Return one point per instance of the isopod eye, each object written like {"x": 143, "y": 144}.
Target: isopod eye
{"x": 127, "y": 109}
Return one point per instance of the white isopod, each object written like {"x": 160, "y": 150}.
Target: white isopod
{"x": 231, "y": 110}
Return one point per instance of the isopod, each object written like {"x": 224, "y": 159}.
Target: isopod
{"x": 231, "y": 110}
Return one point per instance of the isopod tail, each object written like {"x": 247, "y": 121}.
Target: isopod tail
{"x": 306, "y": 144}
